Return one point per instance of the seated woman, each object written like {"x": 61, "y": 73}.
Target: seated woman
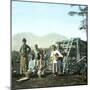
{"x": 31, "y": 66}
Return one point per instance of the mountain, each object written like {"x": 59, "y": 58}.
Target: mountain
{"x": 42, "y": 41}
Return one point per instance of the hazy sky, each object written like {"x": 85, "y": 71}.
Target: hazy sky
{"x": 44, "y": 18}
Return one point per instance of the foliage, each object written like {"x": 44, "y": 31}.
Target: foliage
{"x": 15, "y": 56}
{"x": 82, "y": 12}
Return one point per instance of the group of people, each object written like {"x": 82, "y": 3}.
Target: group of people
{"x": 34, "y": 61}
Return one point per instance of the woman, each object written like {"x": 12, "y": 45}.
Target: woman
{"x": 41, "y": 64}
{"x": 55, "y": 55}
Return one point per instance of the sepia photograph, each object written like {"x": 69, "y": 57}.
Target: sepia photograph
{"x": 48, "y": 44}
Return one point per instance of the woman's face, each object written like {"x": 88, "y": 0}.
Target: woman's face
{"x": 24, "y": 43}
{"x": 53, "y": 48}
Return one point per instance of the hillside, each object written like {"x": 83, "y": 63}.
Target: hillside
{"x": 42, "y": 41}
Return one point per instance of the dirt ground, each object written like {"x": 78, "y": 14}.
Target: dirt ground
{"x": 49, "y": 81}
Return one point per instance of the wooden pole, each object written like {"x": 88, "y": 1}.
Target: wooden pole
{"x": 78, "y": 49}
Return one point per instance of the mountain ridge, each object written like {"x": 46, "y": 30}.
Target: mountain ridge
{"x": 32, "y": 39}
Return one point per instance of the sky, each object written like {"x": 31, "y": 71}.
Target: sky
{"x": 45, "y": 18}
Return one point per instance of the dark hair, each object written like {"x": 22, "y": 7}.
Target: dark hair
{"x": 53, "y": 46}
{"x": 24, "y": 40}
{"x": 36, "y": 45}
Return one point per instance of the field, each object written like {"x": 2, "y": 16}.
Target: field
{"x": 49, "y": 81}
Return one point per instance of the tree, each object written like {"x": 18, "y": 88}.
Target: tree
{"x": 82, "y": 12}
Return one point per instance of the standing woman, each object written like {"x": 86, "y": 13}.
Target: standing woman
{"x": 24, "y": 51}
{"x": 41, "y": 64}
{"x": 37, "y": 54}
{"x": 55, "y": 55}
{"x": 59, "y": 60}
